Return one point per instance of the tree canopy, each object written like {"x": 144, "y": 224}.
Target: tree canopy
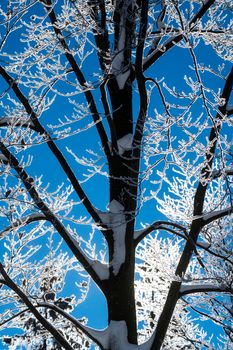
{"x": 116, "y": 167}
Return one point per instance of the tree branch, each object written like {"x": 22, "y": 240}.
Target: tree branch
{"x": 101, "y": 33}
{"x": 11, "y": 121}
{"x": 215, "y": 215}
{"x": 109, "y": 117}
{"x": 22, "y": 222}
{"x": 186, "y": 289}
{"x": 170, "y": 43}
{"x": 47, "y": 325}
{"x": 95, "y": 335}
{"x": 80, "y": 77}
{"x": 196, "y": 226}
{"x": 139, "y": 235}
{"x": 213, "y": 140}
{"x": 217, "y": 173}
{"x": 55, "y": 150}
{"x": 72, "y": 244}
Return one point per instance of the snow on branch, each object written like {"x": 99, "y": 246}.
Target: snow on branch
{"x": 81, "y": 79}
{"x": 125, "y": 143}
{"x": 116, "y": 337}
{"x": 3, "y": 158}
{"x": 215, "y": 215}
{"x": 217, "y": 173}
{"x": 22, "y": 222}
{"x": 157, "y": 225}
{"x": 12, "y": 121}
{"x": 98, "y": 336}
{"x": 202, "y": 288}
{"x": 115, "y": 220}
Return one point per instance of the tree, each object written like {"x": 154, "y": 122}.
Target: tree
{"x": 143, "y": 86}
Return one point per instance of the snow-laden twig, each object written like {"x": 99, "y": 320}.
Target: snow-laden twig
{"x": 171, "y": 42}
{"x": 53, "y": 147}
{"x": 72, "y": 244}
{"x": 57, "y": 335}
{"x": 140, "y": 234}
{"x": 22, "y": 222}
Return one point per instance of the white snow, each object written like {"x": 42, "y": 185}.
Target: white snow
{"x": 115, "y": 207}
{"x": 203, "y": 244}
{"x": 199, "y": 287}
{"x": 218, "y": 213}
{"x": 215, "y": 173}
{"x": 118, "y": 225}
{"x": 125, "y": 143}
{"x": 114, "y": 218}
{"x": 117, "y": 335}
{"x": 102, "y": 336}
{"x": 101, "y": 269}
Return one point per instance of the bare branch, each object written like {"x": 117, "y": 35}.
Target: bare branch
{"x": 141, "y": 81}
{"x": 101, "y": 32}
{"x": 109, "y": 117}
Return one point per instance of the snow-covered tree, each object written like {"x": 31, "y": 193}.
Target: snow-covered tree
{"x": 116, "y": 167}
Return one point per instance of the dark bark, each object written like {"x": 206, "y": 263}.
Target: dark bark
{"x": 121, "y": 299}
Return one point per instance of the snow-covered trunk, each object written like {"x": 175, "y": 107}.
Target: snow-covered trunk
{"x": 122, "y": 208}
{"x": 123, "y": 189}
{"x": 120, "y": 295}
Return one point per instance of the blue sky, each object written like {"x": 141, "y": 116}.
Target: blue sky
{"x": 172, "y": 67}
